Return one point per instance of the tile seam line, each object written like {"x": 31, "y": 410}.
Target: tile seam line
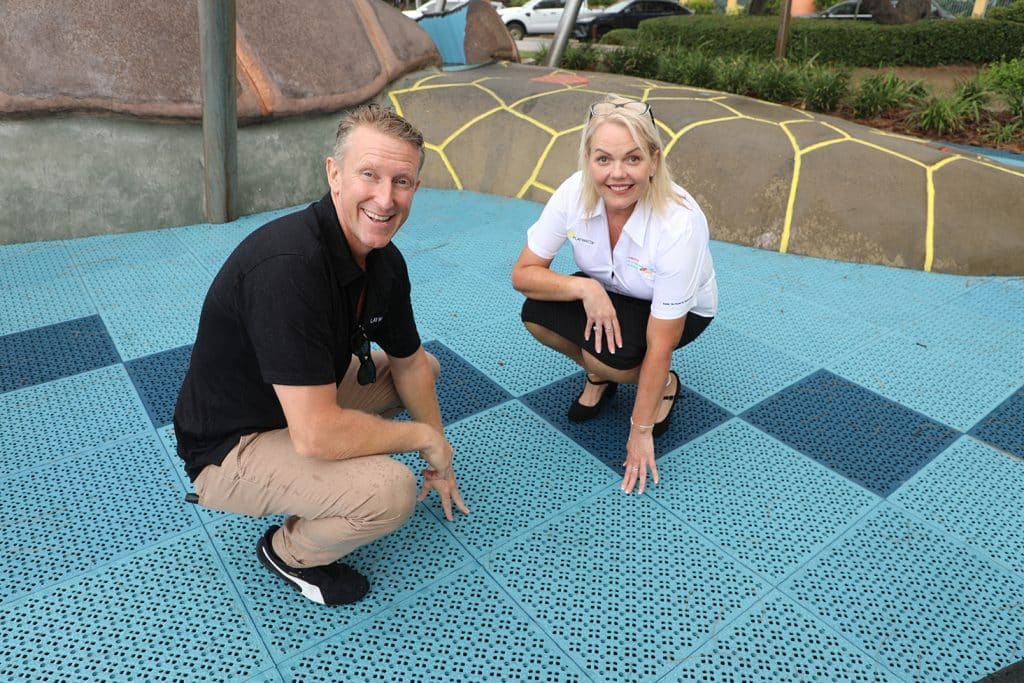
{"x": 88, "y": 450}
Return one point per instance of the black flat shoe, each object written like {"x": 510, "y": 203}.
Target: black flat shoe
{"x": 581, "y": 413}
{"x": 661, "y": 427}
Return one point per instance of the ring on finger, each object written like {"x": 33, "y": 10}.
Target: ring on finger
{"x": 634, "y": 469}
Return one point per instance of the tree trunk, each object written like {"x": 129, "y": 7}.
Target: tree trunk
{"x": 902, "y": 12}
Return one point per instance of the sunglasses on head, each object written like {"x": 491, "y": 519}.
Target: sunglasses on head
{"x": 361, "y": 348}
{"x": 606, "y": 108}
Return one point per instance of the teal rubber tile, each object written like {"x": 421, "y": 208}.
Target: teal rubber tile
{"x": 972, "y": 492}
{"x": 55, "y": 509}
{"x": 462, "y": 390}
{"x": 966, "y": 333}
{"x": 452, "y": 304}
{"x": 1003, "y": 428}
{"x": 955, "y": 389}
{"x": 761, "y": 644}
{"x": 803, "y": 329}
{"x": 167, "y": 613}
{"x": 736, "y": 371}
{"x": 47, "y": 422}
{"x": 922, "y": 604}
{"x": 419, "y": 553}
{"x": 623, "y": 586}
{"x": 762, "y": 502}
{"x": 462, "y": 629}
{"x": 1001, "y": 298}
{"x": 41, "y": 287}
{"x": 500, "y": 454}
{"x": 170, "y": 445}
{"x": 158, "y": 379}
{"x": 92, "y": 255}
{"x": 504, "y": 351}
{"x": 55, "y": 351}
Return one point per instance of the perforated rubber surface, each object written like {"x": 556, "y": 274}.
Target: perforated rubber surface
{"x": 839, "y": 495}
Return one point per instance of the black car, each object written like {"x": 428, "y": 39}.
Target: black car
{"x": 626, "y": 14}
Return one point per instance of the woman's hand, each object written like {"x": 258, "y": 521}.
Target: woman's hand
{"x": 601, "y": 318}
{"x": 639, "y": 457}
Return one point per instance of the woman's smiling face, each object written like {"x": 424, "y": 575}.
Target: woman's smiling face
{"x": 620, "y": 168}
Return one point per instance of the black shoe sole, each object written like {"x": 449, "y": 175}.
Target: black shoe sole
{"x": 581, "y": 413}
{"x": 268, "y": 558}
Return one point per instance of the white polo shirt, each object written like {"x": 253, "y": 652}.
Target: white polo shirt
{"x": 662, "y": 258}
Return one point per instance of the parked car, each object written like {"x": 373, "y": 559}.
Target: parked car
{"x": 538, "y": 16}
{"x": 855, "y": 9}
{"x": 626, "y": 14}
{"x": 432, "y": 6}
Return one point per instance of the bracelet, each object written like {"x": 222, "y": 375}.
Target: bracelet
{"x": 642, "y": 428}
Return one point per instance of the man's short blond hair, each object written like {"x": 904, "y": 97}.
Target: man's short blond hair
{"x": 380, "y": 119}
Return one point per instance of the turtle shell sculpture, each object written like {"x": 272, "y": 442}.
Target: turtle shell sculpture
{"x": 766, "y": 175}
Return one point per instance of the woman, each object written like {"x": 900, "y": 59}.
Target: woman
{"x": 647, "y": 285}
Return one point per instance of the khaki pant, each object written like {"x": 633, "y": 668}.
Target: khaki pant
{"x": 334, "y": 506}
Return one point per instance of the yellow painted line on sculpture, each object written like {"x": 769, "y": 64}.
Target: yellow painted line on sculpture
{"x": 787, "y": 224}
{"x": 987, "y": 164}
{"x": 542, "y": 186}
{"x": 822, "y": 144}
{"x": 447, "y": 164}
{"x": 467, "y": 124}
{"x": 929, "y": 232}
{"x": 424, "y": 80}
{"x": 536, "y": 167}
{"x": 837, "y": 129}
{"x": 490, "y": 92}
{"x": 394, "y": 101}
{"x": 695, "y": 124}
{"x": 890, "y": 152}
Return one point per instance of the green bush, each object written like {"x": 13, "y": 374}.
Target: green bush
{"x": 620, "y": 36}
{"x": 687, "y": 67}
{"x": 1007, "y": 79}
{"x": 733, "y": 74}
{"x": 1012, "y": 12}
{"x": 701, "y": 6}
{"x": 639, "y": 61}
{"x": 1000, "y": 132}
{"x": 854, "y": 43}
{"x": 823, "y": 88}
{"x": 775, "y": 82}
{"x": 880, "y": 93}
{"x": 973, "y": 98}
{"x": 938, "y": 114}
{"x": 580, "y": 57}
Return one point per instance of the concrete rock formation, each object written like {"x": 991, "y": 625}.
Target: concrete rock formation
{"x": 766, "y": 175}
{"x": 142, "y": 58}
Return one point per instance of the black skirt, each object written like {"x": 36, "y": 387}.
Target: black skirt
{"x": 568, "y": 319}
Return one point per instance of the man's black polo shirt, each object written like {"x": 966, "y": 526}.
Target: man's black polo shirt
{"x": 282, "y": 310}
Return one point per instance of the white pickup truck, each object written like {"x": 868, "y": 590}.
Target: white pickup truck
{"x": 537, "y": 16}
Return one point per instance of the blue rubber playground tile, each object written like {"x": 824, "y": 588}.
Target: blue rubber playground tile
{"x": 972, "y": 492}
{"x": 1004, "y": 426}
{"x": 623, "y": 586}
{"x": 1001, "y": 298}
{"x": 759, "y": 646}
{"x": 871, "y": 440}
{"x": 736, "y": 371}
{"x": 605, "y": 436}
{"x": 957, "y": 389}
{"x": 464, "y": 628}
{"x": 509, "y": 355}
{"x": 84, "y": 510}
{"x": 40, "y": 287}
{"x": 923, "y": 605}
{"x": 51, "y": 421}
{"x": 462, "y": 390}
{"x": 55, "y": 351}
{"x": 762, "y": 502}
{"x": 508, "y": 450}
{"x": 415, "y": 556}
{"x": 158, "y": 378}
{"x": 450, "y": 305}
{"x": 167, "y": 613}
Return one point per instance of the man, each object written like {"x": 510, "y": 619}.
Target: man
{"x": 276, "y": 415}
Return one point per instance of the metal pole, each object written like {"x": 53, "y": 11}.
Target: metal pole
{"x": 562, "y": 33}
{"x": 219, "y": 94}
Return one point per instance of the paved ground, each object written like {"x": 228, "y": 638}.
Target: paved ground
{"x": 840, "y": 497}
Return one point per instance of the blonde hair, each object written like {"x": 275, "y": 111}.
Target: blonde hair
{"x": 643, "y": 131}
{"x": 382, "y": 120}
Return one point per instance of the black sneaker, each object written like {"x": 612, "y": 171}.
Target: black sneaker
{"x": 329, "y": 584}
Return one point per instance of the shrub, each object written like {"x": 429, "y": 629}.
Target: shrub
{"x": 775, "y": 82}
{"x": 823, "y": 87}
{"x": 1001, "y": 133}
{"x": 1007, "y": 79}
{"x": 581, "y": 57}
{"x": 938, "y": 114}
{"x": 702, "y": 6}
{"x": 620, "y": 36}
{"x": 973, "y": 98}
{"x": 880, "y": 93}
{"x": 854, "y": 43}
{"x": 687, "y": 67}
{"x": 1012, "y": 12}
{"x": 633, "y": 61}
{"x": 732, "y": 74}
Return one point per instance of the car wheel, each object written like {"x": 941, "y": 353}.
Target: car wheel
{"x": 516, "y": 30}
{"x": 598, "y": 32}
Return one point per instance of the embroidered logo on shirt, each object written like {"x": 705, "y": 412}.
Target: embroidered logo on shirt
{"x": 376, "y": 319}
{"x": 575, "y": 238}
{"x": 634, "y": 263}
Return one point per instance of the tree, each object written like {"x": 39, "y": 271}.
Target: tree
{"x": 898, "y": 12}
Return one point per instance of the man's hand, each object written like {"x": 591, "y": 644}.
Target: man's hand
{"x": 446, "y": 488}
